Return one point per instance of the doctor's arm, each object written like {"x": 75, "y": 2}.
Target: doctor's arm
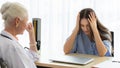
{"x": 30, "y": 30}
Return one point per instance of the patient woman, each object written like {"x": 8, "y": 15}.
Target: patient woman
{"x": 15, "y": 18}
{"x": 89, "y": 36}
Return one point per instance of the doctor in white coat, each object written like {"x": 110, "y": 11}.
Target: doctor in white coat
{"x": 15, "y": 18}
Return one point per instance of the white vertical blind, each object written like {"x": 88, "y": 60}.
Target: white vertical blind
{"x": 58, "y": 18}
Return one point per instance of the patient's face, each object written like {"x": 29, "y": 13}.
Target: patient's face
{"x": 85, "y": 26}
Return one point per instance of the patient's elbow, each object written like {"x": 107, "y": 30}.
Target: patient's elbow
{"x": 101, "y": 55}
{"x": 66, "y": 52}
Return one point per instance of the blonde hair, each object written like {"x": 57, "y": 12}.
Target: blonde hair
{"x": 11, "y": 10}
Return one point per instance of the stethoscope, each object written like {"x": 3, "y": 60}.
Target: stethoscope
{"x": 5, "y": 36}
{"x": 10, "y": 39}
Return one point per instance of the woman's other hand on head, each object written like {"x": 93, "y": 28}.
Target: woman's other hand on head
{"x": 78, "y": 22}
{"x": 92, "y": 20}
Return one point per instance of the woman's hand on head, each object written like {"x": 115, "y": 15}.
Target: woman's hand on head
{"x": 92, "y": 20}
{"x": 30, "y": 28}
{"x": 78, "y": 22}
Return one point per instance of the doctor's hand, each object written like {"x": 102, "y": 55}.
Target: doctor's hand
{"x": 30, "y": 28}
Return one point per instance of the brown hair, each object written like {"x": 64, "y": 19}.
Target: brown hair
{"x": 101, "y": 28}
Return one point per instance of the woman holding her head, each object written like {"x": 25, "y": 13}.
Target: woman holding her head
{"x": 89, "y": 36}
{"x": 15, "y": 18}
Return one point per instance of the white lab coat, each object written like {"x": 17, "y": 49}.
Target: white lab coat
{"x": 14, "y": 54}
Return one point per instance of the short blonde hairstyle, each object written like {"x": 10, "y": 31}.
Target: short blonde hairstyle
{"x": 11, "y": 10}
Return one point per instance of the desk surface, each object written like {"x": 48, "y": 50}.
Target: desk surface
{"x": 45, "y": 62}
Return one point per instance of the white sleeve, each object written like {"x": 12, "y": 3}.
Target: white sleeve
{"x": 23, "y": 59}
{"x": 33, "y": 55}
